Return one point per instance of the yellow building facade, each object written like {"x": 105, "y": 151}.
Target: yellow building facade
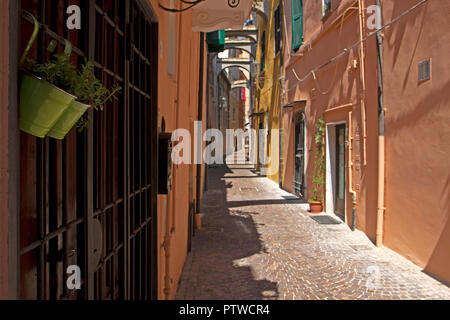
{"x": 266, "y": 114}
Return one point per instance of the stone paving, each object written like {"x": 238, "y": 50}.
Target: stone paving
{"x": 259, "y": 242}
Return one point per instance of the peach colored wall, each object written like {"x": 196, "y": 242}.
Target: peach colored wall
{"x": 417, "y": 120}
{"x": 178, "y": 104}
{"x": 418, "y": 135}
{"x": 336, "y": 85}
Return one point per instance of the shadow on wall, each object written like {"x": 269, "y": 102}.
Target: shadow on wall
{"x": 435, "y": 101}
{"x": 428, "y": 113}
{"x": 219, "y": 270}
{"x": 439, "y": 264}
{"x": 414, "y": 21}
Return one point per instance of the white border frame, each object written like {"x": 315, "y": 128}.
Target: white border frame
{"x": 330, "y": 157}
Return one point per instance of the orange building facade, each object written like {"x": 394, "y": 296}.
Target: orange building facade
{"x": 181, "y": 102}
{"x": 334, "y": 76}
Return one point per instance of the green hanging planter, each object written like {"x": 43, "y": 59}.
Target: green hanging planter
{"x": 69, "y": 118}
{"x": 41, "y": 105}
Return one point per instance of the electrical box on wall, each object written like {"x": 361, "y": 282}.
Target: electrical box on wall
{"x": 164, "y": 163}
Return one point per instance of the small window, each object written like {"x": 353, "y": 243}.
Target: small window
{"x": 326, "y": 7}
{"x": 277, "y": 30}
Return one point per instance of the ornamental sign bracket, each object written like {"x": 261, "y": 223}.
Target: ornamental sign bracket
{"x": 212, "y": 15}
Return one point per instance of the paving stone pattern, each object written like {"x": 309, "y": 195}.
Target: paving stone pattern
{"x": 258, "y": 242}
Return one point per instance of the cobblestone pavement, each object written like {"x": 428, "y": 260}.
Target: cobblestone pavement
{"x": 258, "y": 242}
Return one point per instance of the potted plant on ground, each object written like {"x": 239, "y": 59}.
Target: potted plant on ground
{"x": 315, "y": 200}
{"x": 43, "y": 89}
{"x": 89, "y": 92}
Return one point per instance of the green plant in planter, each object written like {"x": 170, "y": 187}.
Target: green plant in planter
{"x": 319, "y": 172}
{"x": 90, "y": 91}
{"x": 48, "y": 92}
{"x": 59, "y": 72}
{"x": 44, "y": 87}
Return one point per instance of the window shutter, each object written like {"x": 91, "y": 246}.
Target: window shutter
{"x": 297, "y": 23}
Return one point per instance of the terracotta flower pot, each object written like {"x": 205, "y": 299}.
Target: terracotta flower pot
{"x": 315, "y": 206}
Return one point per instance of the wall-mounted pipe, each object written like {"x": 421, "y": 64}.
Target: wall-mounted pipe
{"x": 363, "y": 80}
{"x": 350, "y": 170}
{"x": 280, "y": 115}
{"x": 381, "y": 137}
{"x": 166, "y": 246}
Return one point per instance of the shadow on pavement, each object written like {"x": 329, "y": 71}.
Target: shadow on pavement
{"x": 216, "y": 268}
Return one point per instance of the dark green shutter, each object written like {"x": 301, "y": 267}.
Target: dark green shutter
{"x": 297, "y": 23}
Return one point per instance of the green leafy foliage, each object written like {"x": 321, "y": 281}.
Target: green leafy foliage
{"x": 59, "y": 71}
{"x": 89, "y": 90}
{"x": 83, "y": 84}
{"x": 319, "y": 172}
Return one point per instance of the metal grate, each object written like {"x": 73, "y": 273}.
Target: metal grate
{"x": 425, "y": 70}
{"x": 361, "y": 247}
{"x": 248, "y": 189}
{"x": 325, "y": 220}
{"x": 52, "y": 220}
{"x": 212, "y": 229}
{"x": 88, "y": 200}
{"x": 124, "y": 144}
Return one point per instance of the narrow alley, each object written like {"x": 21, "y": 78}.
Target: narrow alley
{"x": 121, "y": 122}
{"x": 260, "y": 242}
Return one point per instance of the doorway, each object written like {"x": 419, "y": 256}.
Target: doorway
{"x": 335, "y": 172}
{"x": 339, "y": 196}
{"x": 261, "y": 147}
{"x": 299, "y": 154}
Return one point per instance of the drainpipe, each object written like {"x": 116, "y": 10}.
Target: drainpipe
{"x": 363, "y": 79}
{"x": 350, "y": 170}
{"x": 280, "y": 119}
{"x": 381, "y": 136}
